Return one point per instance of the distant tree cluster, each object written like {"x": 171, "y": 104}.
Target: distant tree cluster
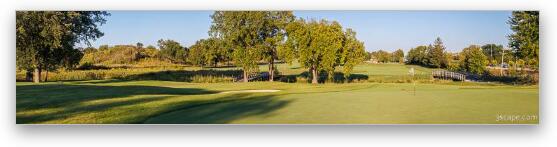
{"x": 431, "y": 56}
{"x": 210, "y": 52}
{"x": 382, "y": 56}
{"x": 173, "y": 51}
{"x": 493, "y": 53}
{"x": 472, "y": 60}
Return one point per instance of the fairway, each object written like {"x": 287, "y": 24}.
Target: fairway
{"x": 165, "y": 102}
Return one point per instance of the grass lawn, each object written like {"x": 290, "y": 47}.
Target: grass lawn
{"x": 356, "y": 103}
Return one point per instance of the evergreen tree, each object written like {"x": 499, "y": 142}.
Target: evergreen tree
{"x": 525, "y": 40}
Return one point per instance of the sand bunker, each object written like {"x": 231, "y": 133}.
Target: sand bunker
{"x": 252, "y": 91}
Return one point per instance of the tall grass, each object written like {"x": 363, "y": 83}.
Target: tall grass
{"x": 177, "y": 74}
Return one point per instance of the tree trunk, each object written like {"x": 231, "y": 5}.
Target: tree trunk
{"x": 314, "y": 75}
{"x": 271, "y": 70}
{"x": 46, "y": 76}
{"x": 331, "y": 76}
{"x": 245, "y": 76}
{"x": 37, "y": 75}
{"x": 28, "y": 75}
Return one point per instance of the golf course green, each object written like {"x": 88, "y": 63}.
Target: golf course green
{"x": 167, "y": 102}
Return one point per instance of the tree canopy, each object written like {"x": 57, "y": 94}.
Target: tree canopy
{"x": 436, "y": 55}
{"x": 172, "y": 50}
{"x": 473, "y": 60}
{"x": 46, "y": 39}
{"x": 525, "y": 40}
{"x": 322, "y": 46}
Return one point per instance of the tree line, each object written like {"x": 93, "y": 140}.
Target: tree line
{"x": 46, "y": 41}
{"x": 382, "y": 56}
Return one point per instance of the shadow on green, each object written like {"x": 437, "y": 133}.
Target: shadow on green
{"x": 34, "y": 97}
{"x": 69, "y": 100}
{"x": 220, "y": 110}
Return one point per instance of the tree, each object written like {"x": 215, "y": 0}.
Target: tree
{"x": 273, "y": 34}
{"x": 207, "y": 52}
{"x": 353, "y": 52}
{"x": 321, "y": 46}
{"x": 46, "y": 39}
{"x": 382, "y": 56}
{"x": 525, "y": 40}
{"x": 398, "y": 56}
{"x": 214, "y": 51}
{"x": 196, "y": 54}
{"x": 241, "y": 30}
{"x": 417, "y": 56}
{"x": 172, "y": 50}
{"x": 473, "y": 60}
{"x": 436, "y": 54}
{"x": 254, "y": 35}
{"x": 492, "y": 52}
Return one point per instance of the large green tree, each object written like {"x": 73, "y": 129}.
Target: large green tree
{"x": 240, "y": 30}
{"x": 473, "y": 60}
{"x": 253, "y": 35}
{"x": 46, "y": 39}
{"x": 525, "y": 40}
{"x": 273, "y": 33}
{"x": 321, "y": 46}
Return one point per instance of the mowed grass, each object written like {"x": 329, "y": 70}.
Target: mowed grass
{"x": 163, "y": 102}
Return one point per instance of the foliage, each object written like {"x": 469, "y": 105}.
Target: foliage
{"x": 493, "y": 53}
{"x": 240, "y": 30}
{"x": 172, "y": 50}
{"x": 382, "y": 56}
{"x": 208, "y": 52}
{"x": 525, "y": 40}
{"x": 317, "y": 44}
{"x": 353, "y": 53}
{"x": 398, "y": 56}
{"x": 46, "y": 39}
{"x": 473, "y": 60}
{"x": 436, "y": 55}
{"x": 118, "y": 54}
{"x": 417, "y": 56}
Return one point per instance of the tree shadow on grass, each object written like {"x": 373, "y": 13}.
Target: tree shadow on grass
{"x": 61, "y": 102}
{"x": 74, "y": 110}
{"x": 44, "y": 96}
{"x": 221, "y": 110}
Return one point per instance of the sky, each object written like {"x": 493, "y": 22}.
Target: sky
{"x": 386, "y": 30}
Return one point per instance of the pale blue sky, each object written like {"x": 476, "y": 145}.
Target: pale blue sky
{"x": 388, "y": 30}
